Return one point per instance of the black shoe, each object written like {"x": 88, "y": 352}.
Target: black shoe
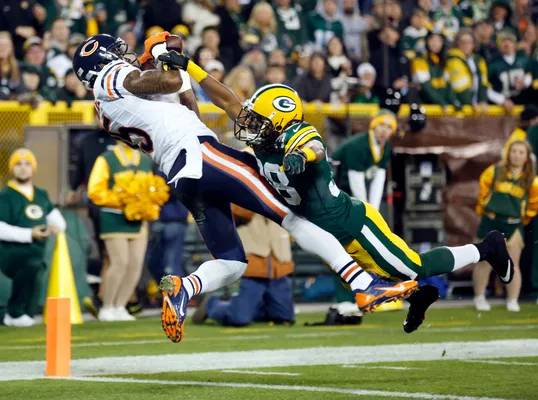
{"x": 493, "y": 250}
{"x": 333, "y": 317}
{"x": 424, "y": 297}
{"x": 200, "y": 315}
{"x": 134, "y": 308}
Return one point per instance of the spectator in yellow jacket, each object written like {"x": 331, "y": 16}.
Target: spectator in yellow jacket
{"x": 468, "y": 74}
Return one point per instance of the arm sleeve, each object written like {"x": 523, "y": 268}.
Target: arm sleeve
{"x": 300, "y": 138}
{"x": 357, "y": 184}
{"x": 495, "y": 97}
{"x": 486, "y": 181}
{"x": 459, "y": 79}
{"x": 10, "y": 233}
{"x": 376, "y": 188}
{"x": 532, "y": 207}
{"x": 56, "y": 218}
{"x": 98, "y": 185}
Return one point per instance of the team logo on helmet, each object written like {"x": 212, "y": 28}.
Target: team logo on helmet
{"x": 87, "y": 50}
{"x": 33, "y": 211}
{"x": 284, "y": 104}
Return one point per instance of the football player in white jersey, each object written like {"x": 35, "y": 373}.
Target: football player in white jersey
{"x": 207, "y": 175}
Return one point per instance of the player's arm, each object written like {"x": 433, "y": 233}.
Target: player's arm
{"x": 153, "y": 82}
{"x": 219, "y": 94}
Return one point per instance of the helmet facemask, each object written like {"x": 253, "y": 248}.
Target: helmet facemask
{"x": 254, "y": 129}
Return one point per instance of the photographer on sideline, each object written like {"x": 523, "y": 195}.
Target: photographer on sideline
{"x": 27, "y": 218}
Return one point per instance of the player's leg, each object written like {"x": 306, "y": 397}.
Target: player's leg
{"x": 390, "y": 253}
{"x": 229, "y": 172}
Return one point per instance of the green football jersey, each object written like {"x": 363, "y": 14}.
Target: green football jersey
{"x": 312, "y": 194}
{"x": 25, "y": 212}
{"x": 503, "y": 76}
{"x": 357, "y": 154}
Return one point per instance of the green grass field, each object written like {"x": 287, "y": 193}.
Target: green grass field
{"x": 456, "y": 354}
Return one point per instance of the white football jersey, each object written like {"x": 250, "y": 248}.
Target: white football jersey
{"x": 156, "y": 124}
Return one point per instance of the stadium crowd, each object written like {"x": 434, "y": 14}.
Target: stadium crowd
{"x": 359, "y": 51}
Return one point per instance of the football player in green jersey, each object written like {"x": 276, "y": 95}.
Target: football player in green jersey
{"x": 292, "y": 157}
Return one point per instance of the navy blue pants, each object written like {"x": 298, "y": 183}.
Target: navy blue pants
{"x": 229, "y": 176}
{"x": 258, "y": 300}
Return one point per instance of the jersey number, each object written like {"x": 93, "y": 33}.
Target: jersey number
{"x": 280, "y": 182}
{"x": 133, "y": 137}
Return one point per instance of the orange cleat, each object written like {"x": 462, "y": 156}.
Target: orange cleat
{"x": 382, "y": 291}
{"x": 174, "y": 311}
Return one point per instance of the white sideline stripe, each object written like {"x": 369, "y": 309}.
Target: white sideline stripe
{"x": 318, "y": 389}
{"x": 503, "y": 362}
{"x": 255, "y": 359}
{"x": 350, "y": 332}
{"x": 377, "y": 367}
{"x": 253, "y": 179}
{"x": 387, "y": 255}
{"x": 249, "y": 372}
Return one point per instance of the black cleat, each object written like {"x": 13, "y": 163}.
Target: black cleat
{"x": 493, "y": 250}
{"x": 424, "y": 297}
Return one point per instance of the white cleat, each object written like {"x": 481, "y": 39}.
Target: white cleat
{"x": 481, "y": 304}
{"x": 512, "y": 306}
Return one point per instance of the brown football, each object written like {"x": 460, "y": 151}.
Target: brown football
{"x": 174, "y": 42}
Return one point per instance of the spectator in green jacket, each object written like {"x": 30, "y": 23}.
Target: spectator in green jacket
{"x": 291, "y": 25}
{"x": 34, "y": 54}
{"x": 324, "y": 23}
{"x": 414, "y": 36}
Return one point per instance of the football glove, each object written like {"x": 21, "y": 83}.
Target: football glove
{"x": 181, "y": 61}
{"x": 150, "y": 43}
{"x": 295, "y": 162}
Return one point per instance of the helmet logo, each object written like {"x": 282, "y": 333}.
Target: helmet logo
{"x": 84, "y": 52}
{"x": 284, "y": 104}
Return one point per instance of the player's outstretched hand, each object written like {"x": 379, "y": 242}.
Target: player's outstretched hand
{"x": 295, "y": 162}
{"x": 174, "y": 58}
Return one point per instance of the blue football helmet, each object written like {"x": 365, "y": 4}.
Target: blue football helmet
{"x": 94, "y": 53}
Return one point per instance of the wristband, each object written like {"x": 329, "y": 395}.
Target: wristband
{"x": 196, "y": 72}
{"x": 309, "y": 153}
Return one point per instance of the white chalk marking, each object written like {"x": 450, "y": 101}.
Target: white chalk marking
{"x": 250, "y": 372}
{"x": 377, "y": 367}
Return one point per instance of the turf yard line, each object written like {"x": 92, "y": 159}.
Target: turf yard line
{"x": 318, "y": 389}
{"x": 250, "y": 372}
{"x": 377, "y": 367}
{"x": 279, "y": 358}
{"x": 503, "y": 362}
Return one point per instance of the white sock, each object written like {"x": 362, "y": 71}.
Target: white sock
{"x": 315, "y": 240}
{"x": 464, "y": 255}
{"x": 213, "y": 275}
